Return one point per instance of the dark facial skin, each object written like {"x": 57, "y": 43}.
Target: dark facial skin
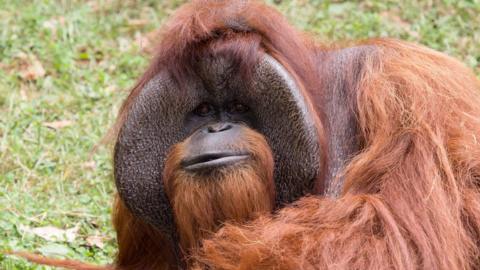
{"x": 209, "y": 112}
{"x": 210, "y": 147}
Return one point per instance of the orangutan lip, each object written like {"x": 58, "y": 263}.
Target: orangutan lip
{"x": 212, "y": 160}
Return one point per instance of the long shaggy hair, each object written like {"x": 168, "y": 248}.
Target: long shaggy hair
{"x": 411, "y": 198}
{"x": 202, "y": 202}
{"x": 140, "y": 245}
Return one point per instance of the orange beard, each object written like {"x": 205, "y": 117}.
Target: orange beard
{"x": 201, "y": 203}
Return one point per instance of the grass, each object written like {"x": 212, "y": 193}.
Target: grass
{"x": 65, "y": 67}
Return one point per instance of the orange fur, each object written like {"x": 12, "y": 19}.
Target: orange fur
{"x": 64, "y": 263}
{"x": 140, "y": 245}
{"x": 411, "y": 198}
{"x": 201, "y": 203}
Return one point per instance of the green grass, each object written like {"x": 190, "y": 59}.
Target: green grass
{"x": 91, "y": 56}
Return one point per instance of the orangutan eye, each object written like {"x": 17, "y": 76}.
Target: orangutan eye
{"x": 237, "y": 108}
{"x": 204, "y": 109}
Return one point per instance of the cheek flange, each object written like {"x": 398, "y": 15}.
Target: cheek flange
{"x": 155, "y": 123}
{"x": 150, "y": 129}
{"x": 288, "y": 122}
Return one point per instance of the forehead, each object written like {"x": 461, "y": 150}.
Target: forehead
{"x": 220, "y": 79}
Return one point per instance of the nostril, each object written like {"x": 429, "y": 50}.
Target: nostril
{"x": 211, "y": 129}
{"x": 225, "y": 127}
{"x": 219, "y": 127}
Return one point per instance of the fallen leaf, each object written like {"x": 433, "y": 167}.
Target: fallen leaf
{"x": 96, "y": 241}
{"x": 111, "y": 88}
{"x": 53, "y": 249}
{"x": 51, "y": 233}
{"x": 90, "y": 165}
{"x": 53, "y": 23}
{"x": 137, "y": 22}
{"x": 58, "y": 124}
{"x": 146, "y": 42}
{"x": 124, "y": 44}
{"x": 23, "y": 93}
{"x": 97, "y": 6}
{"x": 30, "y": 68}
{"x": 21, "y": 55}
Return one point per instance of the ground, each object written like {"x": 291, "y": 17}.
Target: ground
{"x": 65, "y": 67}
